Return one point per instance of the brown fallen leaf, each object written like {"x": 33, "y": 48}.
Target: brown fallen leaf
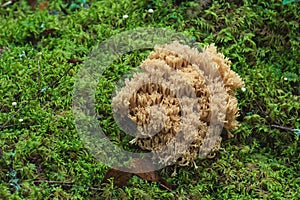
{"x": 121, "y": 177}
{"x": 139, "y": 164}
{"x": 149, "y": 176}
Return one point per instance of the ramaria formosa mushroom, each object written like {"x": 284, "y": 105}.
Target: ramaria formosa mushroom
{"x": 150, "y": 99}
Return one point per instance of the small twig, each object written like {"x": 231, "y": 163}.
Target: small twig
{"x": 283, "y": 128}
{"x": 260, "y": 108}
{"x": 167, "y": 188}
{"x": 39, "y": 73}
{"x": 296, "y": 131}
{"x": 8, "y": 126}
{"x": 8, "y": 3}
{"x": 65, "y": 184}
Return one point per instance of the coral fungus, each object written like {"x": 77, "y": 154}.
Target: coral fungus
{"x": 180, "y": 102}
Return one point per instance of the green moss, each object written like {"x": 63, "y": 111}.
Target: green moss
{"x": 260, "y": 37}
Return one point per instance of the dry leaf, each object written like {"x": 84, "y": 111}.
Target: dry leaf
{"x": 120, "y": 178}
{"x": 145, "y": 165}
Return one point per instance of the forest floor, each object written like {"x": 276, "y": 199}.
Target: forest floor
{"x": 43, "y": 45}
